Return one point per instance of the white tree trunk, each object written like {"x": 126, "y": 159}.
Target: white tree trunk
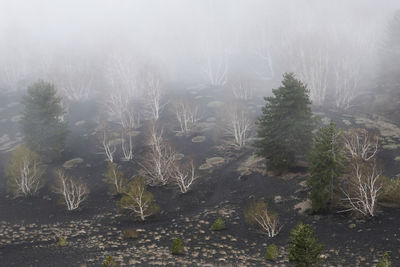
{"x": 158, "y": 160}
{"x": 187, "y": 116}
{"x": 238, "y": 125}
{"x": 108, "y": 147}
{"x": 184, "y": 175}
{"x": 73, "y": 192}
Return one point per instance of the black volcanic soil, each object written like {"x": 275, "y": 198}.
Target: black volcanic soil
{"x": 29, "y": 227}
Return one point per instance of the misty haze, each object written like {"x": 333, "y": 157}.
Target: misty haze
{"x": 199, "y": 133}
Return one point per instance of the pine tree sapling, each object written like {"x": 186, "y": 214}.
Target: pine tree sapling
{"x": 385, "y": 262}
{"x": 177, "y": 247}
{"x": 326, "y": 166}
{"x": 42, "y": 122}
{"x": 218, "y": 225}
{"x": 272, "y": 253}
{"x": 24, "y": 172}
{"x": 109, "y": 262}
{"x": 286, "y": 124}
{"x": 62, "y": 241}
{"x": 137, "y": 199}
{"x": 304, "y": 248}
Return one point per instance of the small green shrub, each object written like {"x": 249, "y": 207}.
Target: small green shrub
{"x": 177, "y": 247}
{"x": 62, "y": 241}
{"x": 385, "y": 262}
{"x": 390, "y": 190}
{"x": 272, "y": 253}
{"x": 109, "y": 262}
{"x": 130, "y": 233}
{"x": 218, "y": 225}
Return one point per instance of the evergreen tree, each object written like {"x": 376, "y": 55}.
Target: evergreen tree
{"x": 326, "y": 165}
{"x": 304, "y": 247}
{"x": 44, "y": 131}
{"x": 285, "y": 127}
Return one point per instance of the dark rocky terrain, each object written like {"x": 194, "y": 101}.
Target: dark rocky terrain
{"x": 29, "y": 228}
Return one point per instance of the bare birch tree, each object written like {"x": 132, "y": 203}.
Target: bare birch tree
{"x": 115, "y": 177}
{"x": 158, "y": 160}
{"x": 241, "y": 89}
{"x": 24, "y": 172}
{"x": 109, "y": 147}
{"x": 359, "y": 143}
{"x": 346, "y": 79}
{"x": 122, "y": 75}
{"x": 137, "y": 199}
{"x": 123, "y": 110}
{"x": 314, "y": 71}
{"x": 216, "y": 55}
{"x": 363, "y": 190}
{"x": 152, "y": 91}
{"x": 238, "y": 124}
{"x": 74, "y": 80}
{"x": 184, "y": 175}
{"x": 263, "y": 51}
{"x": 73, "y": 192}
{"x": 127, "y": 145}
{"x": 258, "y": 214}
{"x": 187, "y": 115}
{"x": 13, "y": 69}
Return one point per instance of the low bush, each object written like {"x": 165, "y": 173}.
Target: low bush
{"x": 272, "y": 253}
{"x": 109, "y": 262}
{"x": 385, "y": 262}
{"x": 218, "y": 225}
{"x": 177, "y": 247}
{"x": 130, "y": 233}
{"x": 390, "y": 190}
{"x": 62, "y": 241}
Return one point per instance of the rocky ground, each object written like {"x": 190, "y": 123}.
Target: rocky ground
{"x": 30, "y": 228}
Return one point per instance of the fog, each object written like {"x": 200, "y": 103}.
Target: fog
{"x": 191, "y": 42}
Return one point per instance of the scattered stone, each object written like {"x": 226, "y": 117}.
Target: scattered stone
{"x": 303, "y": 206}
{"x": 352, "y": 225}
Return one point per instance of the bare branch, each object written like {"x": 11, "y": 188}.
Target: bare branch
{"x": 109, "y": 147}
{"x": 241, "y": 90}
{"x": 24, "y": 172}
{"x": 359, "y": 144}
{"x": 127, "y": 145}
{"x": 137, "y": 199}
{"x": 73, "y": 192}
{"x": 187, "y": 116}
{"x": 158, "y": 161}
{"x": 184, "y": 175}
{"x": 363, "y": 188}
{"x": 152, "y": 89}
{"x": 238, "y": 124}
